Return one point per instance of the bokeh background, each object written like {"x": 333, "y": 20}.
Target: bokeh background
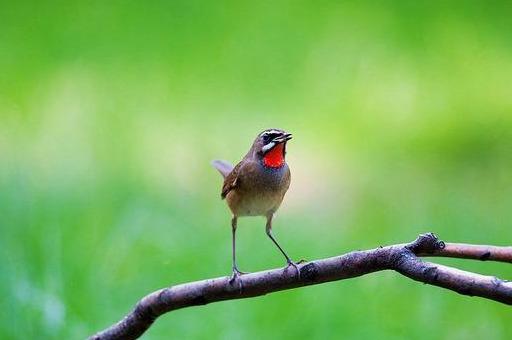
{"x": 111, "y": 112}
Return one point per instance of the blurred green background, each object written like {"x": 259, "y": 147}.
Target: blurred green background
{"x": 111, "y": 112}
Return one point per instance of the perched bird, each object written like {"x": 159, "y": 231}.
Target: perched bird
{"x": 256, "y": 186}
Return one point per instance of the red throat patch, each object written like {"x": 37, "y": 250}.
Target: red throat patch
{"x": 275, "y": 157}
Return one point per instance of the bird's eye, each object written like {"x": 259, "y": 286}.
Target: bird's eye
{"x": 266, "y": 138}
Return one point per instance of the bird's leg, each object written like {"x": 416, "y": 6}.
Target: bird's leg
{"x": 236, "y": 273}
{"x": 269, "y": 233}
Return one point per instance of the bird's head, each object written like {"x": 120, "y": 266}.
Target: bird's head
{"x": 270, "y": 147}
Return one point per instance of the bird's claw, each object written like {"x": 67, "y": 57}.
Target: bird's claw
{"x": 294, "y": 265}
{"x": 236, "y": 277}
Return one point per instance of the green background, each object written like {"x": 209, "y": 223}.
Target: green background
{"x": 111, "y": 112}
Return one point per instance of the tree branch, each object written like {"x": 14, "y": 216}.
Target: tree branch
{"x": 402, "y": 258}
{"x": 475, "y": 252}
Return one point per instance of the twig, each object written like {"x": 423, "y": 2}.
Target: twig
{"x": 402, "y": 258}
{"x": 475, "y": 252}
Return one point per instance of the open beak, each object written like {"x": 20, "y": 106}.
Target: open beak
{"x": 283, "y": 138}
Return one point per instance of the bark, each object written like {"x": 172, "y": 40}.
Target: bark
{"x": 402, "y": 258}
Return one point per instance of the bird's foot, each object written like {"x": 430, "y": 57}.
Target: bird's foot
{"x": 235, "y": 277}
{"x": 294, "y": 265}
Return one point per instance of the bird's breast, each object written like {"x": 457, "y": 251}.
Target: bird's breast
{"x": 261, "y": 191}
{"x": 272, "y": 179}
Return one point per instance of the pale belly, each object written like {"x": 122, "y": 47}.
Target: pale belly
{"x": 254, "y": 205}
{"x": 260, "y": 192}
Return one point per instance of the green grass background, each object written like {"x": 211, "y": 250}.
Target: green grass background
{"x": 110, "y": 113}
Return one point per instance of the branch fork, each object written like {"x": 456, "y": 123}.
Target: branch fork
{"x": 402, "y": 258}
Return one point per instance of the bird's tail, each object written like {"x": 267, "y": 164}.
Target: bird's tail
{"x": 223, "y": 167}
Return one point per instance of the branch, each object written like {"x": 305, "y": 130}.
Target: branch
{"x": 475, "y": 252}
{"x": 402, "y": 258}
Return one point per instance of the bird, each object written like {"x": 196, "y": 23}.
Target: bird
{"x": 257, "y": 185}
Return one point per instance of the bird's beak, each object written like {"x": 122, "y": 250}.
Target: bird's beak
{"x": 283, "y": 138}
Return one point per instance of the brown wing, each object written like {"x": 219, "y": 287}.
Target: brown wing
{"x": 231, "y": 181}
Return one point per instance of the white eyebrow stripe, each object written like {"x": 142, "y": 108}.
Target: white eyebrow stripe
{"x": 270, "y": 132}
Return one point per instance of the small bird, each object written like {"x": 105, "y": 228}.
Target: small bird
{"x": 256, "y": 186}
